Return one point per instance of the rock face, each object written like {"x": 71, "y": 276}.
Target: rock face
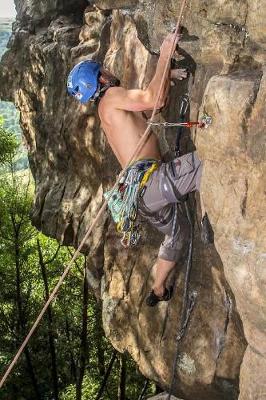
{"x": 223, "y": 46}
{"x": 162, "y": 396}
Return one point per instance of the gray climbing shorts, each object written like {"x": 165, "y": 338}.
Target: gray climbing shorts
{"x": 160, "y": 203}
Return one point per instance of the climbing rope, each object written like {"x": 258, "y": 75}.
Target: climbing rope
{"x": 139, "y": 146}
{"x": 144, "y": 389}
{"x": 184, "y": 105}
{"x": 106, "y": 375}
{"x": 189, "y": 298}
{"x": 188, "y": 302}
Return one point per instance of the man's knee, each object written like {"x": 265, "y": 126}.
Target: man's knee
{"x": 180, "y": 177}
{"x": 170, "y": 254}
{"x": 174, "y": 250}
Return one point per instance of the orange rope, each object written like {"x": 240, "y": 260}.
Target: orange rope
{"x": 100, "y": 212}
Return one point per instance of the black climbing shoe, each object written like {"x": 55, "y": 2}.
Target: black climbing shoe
{"x": 153, "y": 299}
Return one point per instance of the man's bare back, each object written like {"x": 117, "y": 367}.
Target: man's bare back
{"x": 120, "y": 110}
{"x": 124, "y": 129}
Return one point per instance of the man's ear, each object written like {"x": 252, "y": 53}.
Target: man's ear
{"x": 101, "y": 79}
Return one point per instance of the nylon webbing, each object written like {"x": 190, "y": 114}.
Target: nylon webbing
{"x": 139, "y": 146}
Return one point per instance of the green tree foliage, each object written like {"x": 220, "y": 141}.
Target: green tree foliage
{"x": 68, "y": 356}
{"x": 12, "y": 152}
{"x": 8, "y": 111}
{"x": 8, "y": 144}
{"x": 10, "y": 117}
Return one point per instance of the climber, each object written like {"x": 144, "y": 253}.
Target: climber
{"x": 150, "y": 187}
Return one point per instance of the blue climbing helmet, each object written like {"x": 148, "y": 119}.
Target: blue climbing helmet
{"x": 82, "y": 82}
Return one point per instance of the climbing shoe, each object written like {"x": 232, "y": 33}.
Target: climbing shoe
{"x": 153, "y": 299}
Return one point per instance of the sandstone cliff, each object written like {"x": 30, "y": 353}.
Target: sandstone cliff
{"x": 224, "y": 48}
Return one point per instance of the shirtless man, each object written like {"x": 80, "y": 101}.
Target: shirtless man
{"x": 121, "y": 114}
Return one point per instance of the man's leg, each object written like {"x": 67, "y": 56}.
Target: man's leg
{"x": 180, "y": 177}
{"x": 163, "y": 269}
{"x": 167, "y": 185}
{"x": 171, "y": 221}
{"x": 171, "y": 251}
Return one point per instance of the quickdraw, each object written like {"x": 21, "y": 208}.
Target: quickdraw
{"x": 204, "y": 122}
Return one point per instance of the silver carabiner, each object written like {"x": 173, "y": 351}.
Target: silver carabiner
{"x": 206, "y": 120}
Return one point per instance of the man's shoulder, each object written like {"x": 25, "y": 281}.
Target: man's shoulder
{"x": 114, "y": 91}
{"x": 110, "y": 97}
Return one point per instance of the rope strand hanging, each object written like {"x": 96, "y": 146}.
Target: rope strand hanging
{"x": 139, "y": 146}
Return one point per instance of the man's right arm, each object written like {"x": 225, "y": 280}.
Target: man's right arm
{"x": 166, "y": 51}
{"x": 143, "y": 100}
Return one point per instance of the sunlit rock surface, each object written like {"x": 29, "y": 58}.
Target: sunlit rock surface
{"x": 223, "y": 46}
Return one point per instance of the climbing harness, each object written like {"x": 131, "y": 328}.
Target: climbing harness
{"x": 123, "y": 202}
{"x": 139, "y": 146}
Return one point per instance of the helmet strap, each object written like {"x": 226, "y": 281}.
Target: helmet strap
{"x": 103, "y": 88}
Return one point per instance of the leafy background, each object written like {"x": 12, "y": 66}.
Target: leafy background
{"x": 8, "y": 111}
{"x": 68, "y": 356}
